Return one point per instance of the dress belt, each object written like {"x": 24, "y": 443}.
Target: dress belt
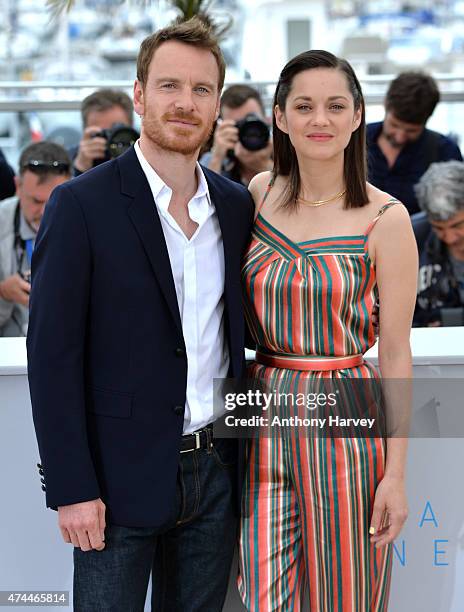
{"x": 307, "y": 362}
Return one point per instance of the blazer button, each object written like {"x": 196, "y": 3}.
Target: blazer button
{"x": 180, "y": 352}
{"x": 42, "y": 481}
{"x": 178, "y": 410}
{"x": 43, "y": 488}
{"x": 39, "y": 465}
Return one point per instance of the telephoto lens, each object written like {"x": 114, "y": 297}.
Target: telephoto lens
{"x": 253, "y": 132}
{"x": 119, "y": 137}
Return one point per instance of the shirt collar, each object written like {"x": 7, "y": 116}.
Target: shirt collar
{"x": 375, "y": 129}
{"x": 25, "y": 230}
{"x": 159, "y": 187}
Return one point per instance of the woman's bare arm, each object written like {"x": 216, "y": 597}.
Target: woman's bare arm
{"x": 396, "y": 271}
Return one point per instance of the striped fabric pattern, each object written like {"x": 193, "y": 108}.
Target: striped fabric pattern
{"x": 310, "y": 298}
{"x": 308, "y": 500}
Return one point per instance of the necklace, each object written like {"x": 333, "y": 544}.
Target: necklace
{"x": 320, "y": 202}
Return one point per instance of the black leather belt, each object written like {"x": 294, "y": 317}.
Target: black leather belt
{"x": 203, "y": 438}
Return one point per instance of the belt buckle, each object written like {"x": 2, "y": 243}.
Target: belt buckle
{"x": 197, "y": 443}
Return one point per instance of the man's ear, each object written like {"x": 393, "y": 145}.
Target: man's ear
{"x": 217, "y": 112}
{"x": 139, "y": 104}
{"x": 280, "y": 118}
{"x": 17, "y": 182}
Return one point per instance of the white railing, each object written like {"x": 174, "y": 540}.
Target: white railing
{"x": 67, "y": 95}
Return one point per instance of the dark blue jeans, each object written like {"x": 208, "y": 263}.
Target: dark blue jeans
{"x": 191, "y": 561}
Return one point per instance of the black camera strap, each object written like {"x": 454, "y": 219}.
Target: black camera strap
{"x": 22, "y": 247}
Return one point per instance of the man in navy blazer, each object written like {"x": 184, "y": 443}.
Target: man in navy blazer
{"x": 135, "y": 308}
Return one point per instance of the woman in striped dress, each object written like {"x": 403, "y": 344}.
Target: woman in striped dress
{"x": 322, "y": 512}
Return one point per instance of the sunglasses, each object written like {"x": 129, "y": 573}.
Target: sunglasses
{"x": 37, "y": 164}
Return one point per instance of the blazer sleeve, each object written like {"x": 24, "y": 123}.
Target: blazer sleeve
{"x": 249, "y": 341}
{"x": 59, "y": 302}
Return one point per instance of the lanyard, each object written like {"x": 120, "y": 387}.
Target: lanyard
{"x": 29, "y": 250}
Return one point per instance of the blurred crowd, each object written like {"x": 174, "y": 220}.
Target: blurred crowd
{"x": 420, "y": 167}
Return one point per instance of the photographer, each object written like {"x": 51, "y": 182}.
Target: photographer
{"x": 439, "y": 231}
{"x": 102, "y": 112}
{"x": 401, "y": 147}
{"x": 242, "y": 146}
{"x": 42, "y": 166}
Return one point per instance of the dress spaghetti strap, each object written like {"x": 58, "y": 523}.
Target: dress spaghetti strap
{"x": 268, "y": 189}
{"x": 385, "y": 207}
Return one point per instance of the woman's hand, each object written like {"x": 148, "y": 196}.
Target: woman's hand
{"x": 390, "y": 511}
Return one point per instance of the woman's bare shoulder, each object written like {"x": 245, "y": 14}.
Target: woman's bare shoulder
{"x": 398, "y": 215}
{"x": 258, "y": 185}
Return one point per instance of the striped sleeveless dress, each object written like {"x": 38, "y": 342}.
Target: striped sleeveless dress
{"x": 307, "y": 500}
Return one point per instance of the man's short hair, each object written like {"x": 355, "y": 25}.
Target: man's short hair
{"x": 194, "y": 31}
{"x": 412, "y": 97}
{"x": 236, "y": 95}
{"x": 45, "y": 159}
{"x": 440, "y": 190}
{"x": 104, "y": 99}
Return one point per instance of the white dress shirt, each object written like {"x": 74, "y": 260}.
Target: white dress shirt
{"x": 198, "y": 271}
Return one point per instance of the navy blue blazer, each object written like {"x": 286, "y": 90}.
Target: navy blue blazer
{"x": 106, "y": 356}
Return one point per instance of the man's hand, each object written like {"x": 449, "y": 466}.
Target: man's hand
{"x": 91, "y": 147}
{"x": 83, "y": 524}
{"x": 15, "y": 289}
{"x": 225, "y": 138}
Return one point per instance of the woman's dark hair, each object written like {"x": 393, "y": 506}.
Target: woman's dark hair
{"x": 285, "y": 159}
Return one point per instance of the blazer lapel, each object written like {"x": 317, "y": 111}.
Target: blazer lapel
{"x": 144, "y": 215}
{"x": 232, "y": 288}
{"x": 227, "y": 224}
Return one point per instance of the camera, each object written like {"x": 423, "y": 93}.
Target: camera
{"x": 253, "y": 132}
{"x": 26, "y": 276}
{"x": 119, "y": 137}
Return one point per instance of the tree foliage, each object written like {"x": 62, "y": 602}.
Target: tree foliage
{"x": 186, "y": 8}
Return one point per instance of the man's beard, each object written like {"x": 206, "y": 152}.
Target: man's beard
{"x": 391, "y": 141}
{"x": 185, "y": 141}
